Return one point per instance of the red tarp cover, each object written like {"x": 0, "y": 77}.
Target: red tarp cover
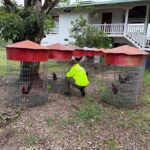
{"x": 26, "y": 45}
{"x": 27, "y": 51}
{"x": 86, "y": 51}
{"x": 127, "y": 50}
{"x": 60, "y": 51}
{"x": 125, "y": 55}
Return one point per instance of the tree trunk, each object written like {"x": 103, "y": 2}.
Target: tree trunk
{"x": 30, "y": 72}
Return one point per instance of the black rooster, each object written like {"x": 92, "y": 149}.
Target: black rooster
{"x": 114, "y": 89}
{"x": 123, "y": 79}
{"x": 54, "y": 76}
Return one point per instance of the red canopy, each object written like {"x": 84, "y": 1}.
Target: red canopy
{"x": 125, "y": 55}
{"x": 60, "y": 51}
{"x": 86, "y": 51}
{"x": 125, "y": 49}
{"x": 27, "y": 51}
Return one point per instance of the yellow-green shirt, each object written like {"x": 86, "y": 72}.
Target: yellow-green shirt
{"x": 78, "y": 73}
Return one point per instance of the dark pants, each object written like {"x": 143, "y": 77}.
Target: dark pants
{"x": 71, "y": 82}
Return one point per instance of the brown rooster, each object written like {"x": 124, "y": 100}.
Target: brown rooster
{"x": 26, "y": 90}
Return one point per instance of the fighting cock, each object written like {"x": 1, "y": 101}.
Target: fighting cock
{"x": 26, "y": 89}
{"x": 123, "y": 79}
{"x": 114, "y": 89}
{"x": 54, "y": 76}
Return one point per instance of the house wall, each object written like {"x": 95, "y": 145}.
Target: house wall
{"x": 64, "y": 27}
{"x": 95, "y": 17}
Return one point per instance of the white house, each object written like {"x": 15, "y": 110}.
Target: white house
{"x": 126, "y": 21}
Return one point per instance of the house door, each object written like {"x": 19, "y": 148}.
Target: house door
{"x": 107, "y": 18}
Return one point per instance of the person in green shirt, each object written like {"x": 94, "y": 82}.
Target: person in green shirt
{"x": 76, "y": 77}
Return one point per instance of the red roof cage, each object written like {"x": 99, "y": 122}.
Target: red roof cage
{"x": 125, "y": 55}
{"x": 27, "y": 51}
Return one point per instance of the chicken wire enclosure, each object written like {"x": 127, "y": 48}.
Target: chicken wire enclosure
{"x": 93, "y": 65}
{"x": 56, "y": 75}
{"x": 122, "y": 85}
{"x": 27, "y": 83}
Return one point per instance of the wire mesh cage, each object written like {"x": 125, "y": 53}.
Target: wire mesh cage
{"x": 56, "y": 75}
{"x": 122, "y": 85}
{"x": 93, "y": 65}
{"x": 27, "y": 83}
{"x": 59, "y": 68}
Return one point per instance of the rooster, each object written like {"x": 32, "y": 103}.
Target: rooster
{"x": 123, "y": 79}
{"x": 114, "y": 89}
{"x": 26, "y": 90}
{"x": 54, "y": 76}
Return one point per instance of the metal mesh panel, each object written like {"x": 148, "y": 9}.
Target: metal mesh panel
{"x": 122, "y": 85}
{"x": 60, "y": 68}
{"x": 56, "y": 75}
{"x": 27, "y": 83}
{"x": 91, "y": 67}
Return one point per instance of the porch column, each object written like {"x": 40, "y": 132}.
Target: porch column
{"x": 146, "y": 19}
{"x": 146, "y": 23}
{"x": 126, "y": 21}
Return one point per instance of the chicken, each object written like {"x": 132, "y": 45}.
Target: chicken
{"x": 26, "y": 89}
{"x": 54, "y": 76}
{"x": 114, "y": 89}
{"x": 127, "y": 77}
{"x": 123, "y": 79}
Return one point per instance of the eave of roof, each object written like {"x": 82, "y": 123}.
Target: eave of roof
{"x": 105, "y": 2}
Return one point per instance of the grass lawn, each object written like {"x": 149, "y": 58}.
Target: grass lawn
{"x": 5, "y": 65}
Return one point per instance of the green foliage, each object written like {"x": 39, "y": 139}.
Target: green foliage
{"x": 3, "y": 63}
{"x": 50, "y": 121}
{"x": 49, "y": 88}
{"x": 90, "y": 112}
{"x": 11, "y": 27}
{"x": 31, "y": 140}
{"x": 23, "y": 24}
{"x": 147, "y": 79}
{"x": 102, "y": 90}
{"x": 85, "y": 35}
{"x": 146, "y": 99}
{"x": 112, "y": 144}
{"x": 3, "y": 43}
{"x": 68, "y": 121}
{"x": 141, "y": 120}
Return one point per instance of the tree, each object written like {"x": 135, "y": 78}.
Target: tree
{"x": 30, "y": 22}
{"x": 85, "y": 35}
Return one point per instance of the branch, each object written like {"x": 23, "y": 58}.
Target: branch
{"x": 10, "y": 6}
{"x": 49, "y": 5}
{"x": 27, "y": 3}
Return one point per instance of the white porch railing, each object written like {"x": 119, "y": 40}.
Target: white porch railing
{"x": 110, "y": 28}
{"x": 134, "y": 28}
{"x": 133, "y": 32}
